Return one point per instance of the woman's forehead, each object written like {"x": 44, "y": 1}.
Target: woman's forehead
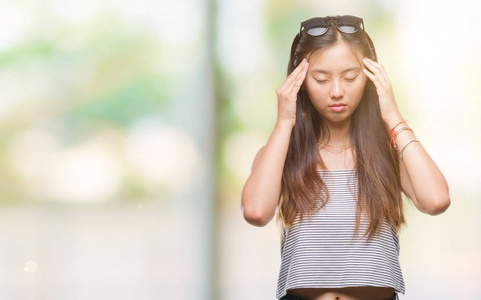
{"x": 337, "y": 57}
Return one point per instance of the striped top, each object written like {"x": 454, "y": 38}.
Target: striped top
{"x": 319, "y": 252}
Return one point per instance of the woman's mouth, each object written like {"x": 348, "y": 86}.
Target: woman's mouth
{"x": 337, "y": 107}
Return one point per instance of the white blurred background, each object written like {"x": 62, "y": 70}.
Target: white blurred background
{"x": 128, "y": 129}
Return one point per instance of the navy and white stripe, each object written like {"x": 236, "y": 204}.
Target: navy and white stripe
{"x": 320, "y": 253}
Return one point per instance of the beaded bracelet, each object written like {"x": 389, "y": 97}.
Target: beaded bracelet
{"x": 401, "y": 154}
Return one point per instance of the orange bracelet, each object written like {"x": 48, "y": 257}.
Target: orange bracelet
{"x": 393, "y": 140}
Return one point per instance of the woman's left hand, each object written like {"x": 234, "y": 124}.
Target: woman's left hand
{"x": 378, "y": 75}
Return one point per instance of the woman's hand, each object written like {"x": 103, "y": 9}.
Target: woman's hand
{"x": 384, "y": 90}
{"x": 287, "y": 94}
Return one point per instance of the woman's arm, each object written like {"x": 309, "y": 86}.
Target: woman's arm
{"x": 262, "y": 189}
{"x": 421, "y": 179}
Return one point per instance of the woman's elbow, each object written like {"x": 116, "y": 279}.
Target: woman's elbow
{"x": 441, "y": 204}
{"x": 252, "y": 216}
{"x": 254, "y": 219}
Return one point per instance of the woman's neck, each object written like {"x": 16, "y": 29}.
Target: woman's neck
{"x": 339, "y": 134}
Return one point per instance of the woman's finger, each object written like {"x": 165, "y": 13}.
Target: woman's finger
{"x": 297, "y": 70}
{"x": 373, "y": 78}
{"x": 379, "y": 71}
{"x": 375, "y": 70}
{"x": 297, "y": 82}
{"x": 294, "y": 73}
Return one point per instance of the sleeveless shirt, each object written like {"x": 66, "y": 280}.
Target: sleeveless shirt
{"x": 319, "y": 253}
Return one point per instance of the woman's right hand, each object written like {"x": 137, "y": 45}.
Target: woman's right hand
{"x": 287, "y": 94}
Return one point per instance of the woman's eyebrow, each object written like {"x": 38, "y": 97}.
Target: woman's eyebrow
{"x": 327, "y": 72}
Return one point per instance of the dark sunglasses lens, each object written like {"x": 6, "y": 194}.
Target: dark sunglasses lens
{"x": 348, "y": 24}
{"x": 317, "y": 27}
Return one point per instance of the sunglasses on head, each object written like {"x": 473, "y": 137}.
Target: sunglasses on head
{"x": 347, "y": 24}
{"x": 318, "y": 26}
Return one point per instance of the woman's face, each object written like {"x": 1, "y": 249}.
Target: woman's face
{"x": 335, "y": 82}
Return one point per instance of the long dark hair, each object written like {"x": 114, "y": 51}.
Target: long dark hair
{"x": 377, "y": 164}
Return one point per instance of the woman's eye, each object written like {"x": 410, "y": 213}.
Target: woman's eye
{"x": 351, "y": 79}
{"x": 321, "y": 81}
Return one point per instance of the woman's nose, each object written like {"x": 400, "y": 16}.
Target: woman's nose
{"x": 336, "y": 90}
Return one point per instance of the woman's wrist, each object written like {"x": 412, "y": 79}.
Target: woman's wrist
{"x": 395, "y": 120}
{"x": 287, "y": 124}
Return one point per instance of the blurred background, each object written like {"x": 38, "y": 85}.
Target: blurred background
{"x": 128, "y": 129}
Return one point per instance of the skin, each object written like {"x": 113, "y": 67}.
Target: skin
{"x": 421, "y": 179}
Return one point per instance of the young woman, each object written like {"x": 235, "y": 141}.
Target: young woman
{"x": 335, "y": 165}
